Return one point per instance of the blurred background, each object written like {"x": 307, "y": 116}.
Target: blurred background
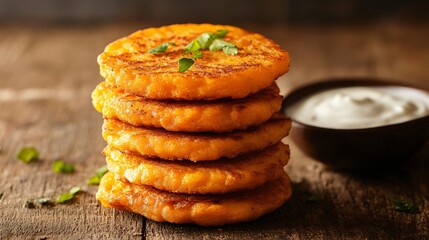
{"x": 220, "y": 11}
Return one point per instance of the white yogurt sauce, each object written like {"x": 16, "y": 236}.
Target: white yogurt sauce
{"x": 360, "y": 107}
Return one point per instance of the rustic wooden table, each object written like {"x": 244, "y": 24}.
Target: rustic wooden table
{"x": 48, "y": 73}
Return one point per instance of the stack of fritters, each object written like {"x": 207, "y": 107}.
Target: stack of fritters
{"x": 202, "y": 146}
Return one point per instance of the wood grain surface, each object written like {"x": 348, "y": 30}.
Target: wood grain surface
{"x": 48, "y": 73}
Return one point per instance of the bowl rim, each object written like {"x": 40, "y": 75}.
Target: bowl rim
{"x": 331, "y": 83}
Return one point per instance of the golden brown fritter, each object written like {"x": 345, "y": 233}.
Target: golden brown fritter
{"x": 157, "y": 142}
{"x": 187, "y": 116}
{"x": 126, "y": 64}
{"x": 206, "y": 210}
{"x": 220, "y": 176}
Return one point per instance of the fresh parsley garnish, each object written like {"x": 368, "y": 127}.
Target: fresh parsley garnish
{"x": 44, "y": 201}
{"x": 197, "y": 54}
{"x": 67, "y": 196}
{"x": 402, "y": 206}
{"x": 194, "y": 48}
{"x": 96, "y": 178}
{"x": 62, "y": 167}
{"x": 28, "y": 154}
{"x": 228, "y": 48}
{"x": 206, "y": 39}
{"x": 29, "y": 204}
{"x": 221, "y": 33}
{"x": 161, "y": 48}
{"x": 185, "y": 64}
{"x": 211, "y": 41}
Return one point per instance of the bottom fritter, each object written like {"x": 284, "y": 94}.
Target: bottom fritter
{"x": 206, "y": 210}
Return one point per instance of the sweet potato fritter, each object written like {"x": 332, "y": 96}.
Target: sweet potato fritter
{"x": 206, "y": 210}
{"x": 157, "y": 142}
{"x": 187, "y": 116}
{"x": 220, "y": 176}
{"x": 127, "y": 65}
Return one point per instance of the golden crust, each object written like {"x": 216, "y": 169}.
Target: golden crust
{"x": 157, "y": 142}
{"x": 214, "y": 177}
{"x": 187, "y": 116}
{"x": 126, "y": 64}
{"x": 206, "y": 210}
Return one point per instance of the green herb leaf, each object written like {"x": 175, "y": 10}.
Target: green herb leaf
{"x": 227, "y": 47}
{"x": 231, "y": 50}
{"x": 74, "y": 190}
{"x": 221, "y": 33}
{"x": 161, "y": 48}
{"x": 402, "y": 206}
{"x": 64, "y": 197}
{"x": 197, "y": 54}
{"x": 93, "y": 180}
{"x": 28, "y": 154}
{"x": 192, "y": 47}
{"x": 185, "y": 64}
{"x": 62, "y": 167}
{"x": 205, "y": 40}
{"x": 99, "y": 173}
{"x": 29, "y": 204}
{"x": 44, "y": 201}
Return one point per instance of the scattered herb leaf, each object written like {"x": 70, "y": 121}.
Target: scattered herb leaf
{"x": 28, "y": 154}
{"x": 99, "y": 173}
{"x": 29, "y": 204}
{"x": 192, "y": 47}
{"x": 62, "y": 167}
{"x": 185, "y": 64}
{"x": 231, "y": 50}
{"x": 312, "y": 199}
{"x": 44, "y": 201}
{"x": 64, "y": 197}
{"x": 74, "y": 190}
{"x": 221, "y": 33}
{"x": 67, "y": 196}
{"x": 205, "y": 40}
{"x": 161, "y": 48}
{"x": 197, "y": 54}
{"x": 93, "y": 180}
{"x": 227, "y": 47}
{"x": 402, "y": 206}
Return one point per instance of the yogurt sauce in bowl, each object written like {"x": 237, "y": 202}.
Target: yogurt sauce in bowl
{"x": 359, "y": 123}
{"x": 360, "y": 107}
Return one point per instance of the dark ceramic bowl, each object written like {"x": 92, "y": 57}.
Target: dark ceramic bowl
{"x": 351, "y": 149}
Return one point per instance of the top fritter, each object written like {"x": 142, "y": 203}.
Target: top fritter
{"x": 254, "y": 64}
